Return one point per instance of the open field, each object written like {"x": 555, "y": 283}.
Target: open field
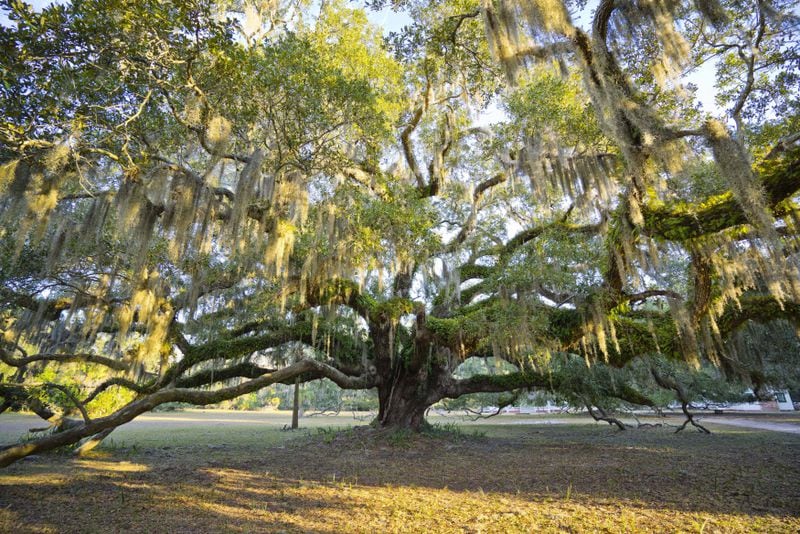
{"x": 207, "y": 471}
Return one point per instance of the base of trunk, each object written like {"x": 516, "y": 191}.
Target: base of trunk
{"x": 403, "y": 414}
{"x": 415, "y": 421}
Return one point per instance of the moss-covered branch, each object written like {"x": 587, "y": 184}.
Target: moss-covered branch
{"x": 497, "y": 383}
{"x": 347, "y": 293}
{"x": 759, "y": 308}
{"x": 680, "y": 221}
{"x": 49, "y": 310}
{"x": 251, "y": 370}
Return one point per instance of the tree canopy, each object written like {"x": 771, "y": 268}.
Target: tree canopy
{"x": 200, "y": 199}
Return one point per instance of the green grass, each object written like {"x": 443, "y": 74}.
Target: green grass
{"x": 189, "y": 472}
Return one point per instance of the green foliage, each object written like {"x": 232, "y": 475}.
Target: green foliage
{"x": 379, "y": 231}
{"x": 560, "y": 259}
{"x": 700, "y": 385}
{"x": 551, "y": 104}
{"x": 110, "y": 401}
{"x": 766, "y": 354}
{"x": 698, "y": 183}
{"x": 773, "y": 101}
{"x": 580, "y": 384}
{"x": 345, "y": 38}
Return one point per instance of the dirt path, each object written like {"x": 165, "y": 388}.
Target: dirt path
{"x": 751, "y": 423}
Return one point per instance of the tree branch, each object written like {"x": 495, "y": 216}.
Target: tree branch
{"x": 191, "y": 396}
{"x": 408, "y": 147}
{"x": 477, "y": 195}
{"x": 497, "y": 383}
{"x": 681, "y": 221}
{"x": 117, "y": 365}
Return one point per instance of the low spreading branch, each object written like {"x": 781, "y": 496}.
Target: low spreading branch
{"x": 190, "y": 396}
{"x": 669, "y": 383}
{"x": 601, "y": 415}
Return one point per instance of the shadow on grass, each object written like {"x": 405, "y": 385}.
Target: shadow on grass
{"x": 514, "y": 479}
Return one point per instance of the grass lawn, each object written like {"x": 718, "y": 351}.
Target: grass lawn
{"x": 206, "y": 471}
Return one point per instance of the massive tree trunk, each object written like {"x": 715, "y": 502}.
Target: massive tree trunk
{"x": 403, "y": 409}
{"x": 410, "y": 382}
{"x": 404, "y": 400}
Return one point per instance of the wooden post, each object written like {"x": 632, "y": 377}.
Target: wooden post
{"x": 296, "y": 405}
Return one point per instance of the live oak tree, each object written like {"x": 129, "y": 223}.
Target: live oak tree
{"x": 200, "y": 199}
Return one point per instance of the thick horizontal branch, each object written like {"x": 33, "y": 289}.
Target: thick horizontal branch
{"x": 640, "y": 333}
{"x": 758, "y": 308}
{"x": 546, "y": 51}
{"x": 251, "y": 370}
{"x": 528, "y": 235}
{"x": 471, "y": 270}
{"x": 557, "y": 298}
{"x": 628, "y": 394}
{"x": 497, "y": 383}
{"x": 227, "y": 348}
{"x": 682, "y": 221}
{"x": 210, "y": 376}
{"x": 650, "y": 293}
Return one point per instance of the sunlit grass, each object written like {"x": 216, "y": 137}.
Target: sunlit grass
{"x": 247, "y": 477}
{"x": 116, "y": 467}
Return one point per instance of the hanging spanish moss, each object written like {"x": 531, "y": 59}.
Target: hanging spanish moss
{"x": 686, "y": 332}
{"x": 249, "y": 177}
{"x": 712, "y": 11}
{"x": 549, "y": 15}
{"x": 734, "y": 165}
{"x": 503, "y": 35}
{"x": 660, "y": 13}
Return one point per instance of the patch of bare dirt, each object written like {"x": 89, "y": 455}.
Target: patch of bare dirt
{"x": 507, "y": 479}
